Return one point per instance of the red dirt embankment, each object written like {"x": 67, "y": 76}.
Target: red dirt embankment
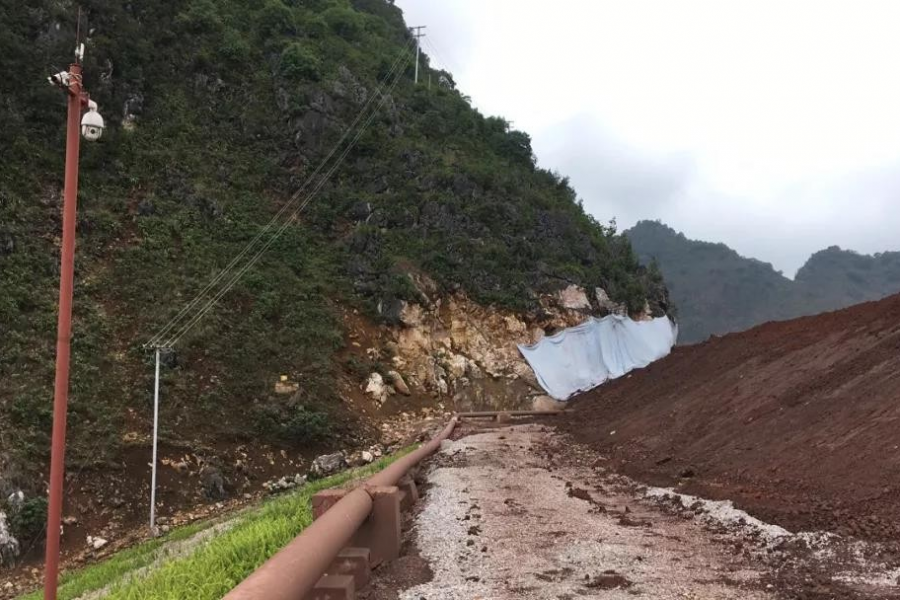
{"x": 798, "y": 422}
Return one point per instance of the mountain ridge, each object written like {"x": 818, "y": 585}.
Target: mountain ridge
{"x": 740, "y": 292}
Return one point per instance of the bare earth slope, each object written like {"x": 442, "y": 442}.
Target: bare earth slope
{"x": 798, "y": 421}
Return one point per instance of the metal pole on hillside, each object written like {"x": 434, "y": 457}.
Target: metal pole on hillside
{"x": 155, "y": 444}
{"x": 91, "y": 128}
{"x": 419, "y": 35}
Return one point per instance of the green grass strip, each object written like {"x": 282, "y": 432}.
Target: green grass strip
{"x": 213, "y": 568}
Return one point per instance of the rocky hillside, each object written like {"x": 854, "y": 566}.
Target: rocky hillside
{"x": 217, "y": 111}
{"x": 717, "y": 291}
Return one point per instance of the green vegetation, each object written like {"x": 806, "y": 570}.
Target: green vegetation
{"x": 30, "y": 520}
{"x": 217, "y": 111}
{"x": 77, "y": 583}
{"x": 215, "y": 566}
{"x": 717, "y": 290}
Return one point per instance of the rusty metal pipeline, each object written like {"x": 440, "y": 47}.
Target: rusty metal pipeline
{"x": 486, "y": 414}
{"x": 295, "y": 569}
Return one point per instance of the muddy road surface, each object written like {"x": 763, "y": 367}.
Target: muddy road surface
{"x": 524, "y": 512}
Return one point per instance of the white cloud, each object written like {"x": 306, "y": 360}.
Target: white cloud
{"x": 771, "y": 125}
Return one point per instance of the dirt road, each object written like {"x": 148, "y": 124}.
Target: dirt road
{"x": 521, "y": 512}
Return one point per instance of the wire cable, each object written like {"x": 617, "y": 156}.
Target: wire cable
{"x": 378, "y": 92}
{"x": 222, "y": 274}
{"x": 447, "y": 64}
{"x": 283, "y": 227}
{"x": 320, "y": 184}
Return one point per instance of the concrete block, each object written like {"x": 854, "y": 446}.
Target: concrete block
{"x": 354, "y": 562}
{"x": 380, "y": 533}
{"x": 324, "y": 500}
{"x": 409, "y": 494}
{"x": 333, "y": 587}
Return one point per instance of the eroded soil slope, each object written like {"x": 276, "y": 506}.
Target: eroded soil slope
{"x": 798, "y": 421}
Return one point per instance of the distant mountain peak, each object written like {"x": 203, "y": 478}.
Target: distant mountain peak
{"x": 716, "y": 290}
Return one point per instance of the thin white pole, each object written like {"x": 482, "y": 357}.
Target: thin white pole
{"x": 155, "y": 440}
{"x": 418, "y": 45}
{"x": 419, "y": 35}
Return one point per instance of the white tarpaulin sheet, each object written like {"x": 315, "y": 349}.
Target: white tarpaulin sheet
{"x": 580, "y": 358}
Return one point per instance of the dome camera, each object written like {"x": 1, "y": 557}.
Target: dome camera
{"x": 60, "y": 79}
{"x": 92, "y": 123}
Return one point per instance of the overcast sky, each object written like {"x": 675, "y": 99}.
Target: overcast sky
{"x": 771, "y": 126}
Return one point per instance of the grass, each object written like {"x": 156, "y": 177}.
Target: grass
{"x": 215, "y": 567}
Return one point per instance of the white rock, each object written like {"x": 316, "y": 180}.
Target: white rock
{"x": 573, "y": 298}
{"x": 376, "y": 388}
{"x": 96, "y": 542}
{"x": 368, "y": 456}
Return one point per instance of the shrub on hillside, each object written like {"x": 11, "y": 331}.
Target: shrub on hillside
{"x": 29, "y": 522}
{"x": 298, "y": 424}
{"x": 299, "y": 61}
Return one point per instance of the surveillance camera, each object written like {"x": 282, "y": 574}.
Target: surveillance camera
{"x": 60, "y": 79}
{"x": 92, "y": 123}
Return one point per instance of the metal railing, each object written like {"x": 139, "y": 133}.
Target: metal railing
{"x": 296, "y": 570}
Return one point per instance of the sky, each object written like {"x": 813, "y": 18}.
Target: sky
{"x": 771, "y": 126}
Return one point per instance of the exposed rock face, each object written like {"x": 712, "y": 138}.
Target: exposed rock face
{"x": 9, "y": 546}
{"x": 411, "y": 315}
{"x": 605, "y": 304}
{"x": 457, "y": 350}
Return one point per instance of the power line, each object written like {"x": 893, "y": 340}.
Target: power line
{"x": 440, "y": 55}
{"x": 321, "y": 183}
{"x": 157, "y": 339}
{"x": 173, "y": 322}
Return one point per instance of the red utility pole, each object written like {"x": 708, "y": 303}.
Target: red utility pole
{"x": 78, "y": 98}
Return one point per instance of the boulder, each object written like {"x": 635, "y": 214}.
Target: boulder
{"x": 96, "y": 542}
{"x": 546, "y": 403}
{"x": 327, "y": 465}
{"x": 376, "y": 388}
{"x": 573, "y": 298}
{"x": 212, "y": 482}
{"x": 399, "y": 383}
{"x": 9, "y": 546}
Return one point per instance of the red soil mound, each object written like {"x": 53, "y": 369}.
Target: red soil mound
{"x": 798, "y": 422}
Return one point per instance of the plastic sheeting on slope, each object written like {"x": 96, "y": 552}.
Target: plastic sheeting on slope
{"x": 582, "y": 357}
